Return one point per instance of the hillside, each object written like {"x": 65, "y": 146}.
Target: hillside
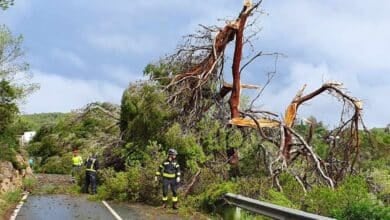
{"x": 36, "y": 121}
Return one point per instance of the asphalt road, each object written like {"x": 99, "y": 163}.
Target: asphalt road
{"x": 62, "y": 207}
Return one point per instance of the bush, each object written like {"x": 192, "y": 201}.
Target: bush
{"x": 380, "y": 184}
{"x": 208, "y": 199}
{"x": 29, "y": 184}
{"x": 57, "y": 165}
{"x": 8, "y": 199}
{"x": 278, "y": 198}
{"x": 349, "y": 201}
{"x": 325, "y": 201}
{"x": 9, "y": 154}
{"x": 362, "y": 210}
{"x": 115, "y": 185}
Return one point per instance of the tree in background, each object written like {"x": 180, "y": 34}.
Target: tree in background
{"x": 14, "y": 77}
{"x": 4, "y": 4}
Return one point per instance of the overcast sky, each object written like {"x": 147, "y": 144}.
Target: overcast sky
{"x": 82, "y": 51}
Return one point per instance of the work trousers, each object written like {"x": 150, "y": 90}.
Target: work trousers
{"x": 75, "y": 170}
{"x": 90, "y": 179}
{"x": 169, "y": 182}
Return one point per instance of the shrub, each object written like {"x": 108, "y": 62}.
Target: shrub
{"x": 115, "y": 185}
{"x": 342, "y": 200}
{"x": 8, "y": 199}
{"x": 29, "y": 184}
{"x": 362, "y": 210}
{"x": 380, "y": 184}
{"x": 209, "y": 198}
{"x": 278, "y": 198}
{"x": 57, "y": 165}
{"x": 9, "y": 154}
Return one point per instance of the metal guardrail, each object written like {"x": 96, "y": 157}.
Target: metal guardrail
{"x": 270, "y": 210}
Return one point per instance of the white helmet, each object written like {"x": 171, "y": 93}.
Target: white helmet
{"x": 172, "y": 152}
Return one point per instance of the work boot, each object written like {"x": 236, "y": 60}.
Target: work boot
{"x": 174, "y": 205}
{"x": 164, "y": 205}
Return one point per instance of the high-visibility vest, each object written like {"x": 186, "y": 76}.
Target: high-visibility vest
{"x": 92, "y": 166}
{"x": 77, "y": 161}
{"x": 169, "y": 169}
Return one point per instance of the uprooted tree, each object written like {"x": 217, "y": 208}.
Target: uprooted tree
{"x": 194, "y": 79}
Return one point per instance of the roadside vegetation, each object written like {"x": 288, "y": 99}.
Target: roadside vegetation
{"x": 148, "y": 128}
{"x": 14, "y": 87}
{"x": 9, "y": 200}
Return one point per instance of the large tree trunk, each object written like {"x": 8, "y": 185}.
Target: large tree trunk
{"x": 235, "y": 96}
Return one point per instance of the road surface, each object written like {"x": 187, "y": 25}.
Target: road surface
{"x": 42, "y": 206}
{"x": 62, "y": 207}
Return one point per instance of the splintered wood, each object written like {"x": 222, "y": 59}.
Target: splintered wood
{"x": 248, "y": 122}
{"x": 200, "y": 85}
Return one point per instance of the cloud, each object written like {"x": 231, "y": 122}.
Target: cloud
{"x": 123, "y": 43}
{"x": 324, "y": 40}
{"x": 70, "y": 57}
{"x": 326, "y": 107}
{"x": 351, "y": 34}
{"x": 120, "y": 74}
{"x": 60, "y": 94}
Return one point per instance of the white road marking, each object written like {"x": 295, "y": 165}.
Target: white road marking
{"x": 19, "y": 206}
{"x": 112, "y": 210}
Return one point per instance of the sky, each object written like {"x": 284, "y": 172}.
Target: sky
{"x": 84, "y": 51}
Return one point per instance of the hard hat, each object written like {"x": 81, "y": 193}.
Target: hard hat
{"x": 172, "y": 152}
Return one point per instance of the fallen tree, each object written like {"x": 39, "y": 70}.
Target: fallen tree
{"x": 195, "y": 83}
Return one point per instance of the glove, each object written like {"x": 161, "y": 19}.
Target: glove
{"x": 155, "y": 178}
{"x": 178, "y": 179}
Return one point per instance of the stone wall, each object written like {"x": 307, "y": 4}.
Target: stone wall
{"x": 11, "y": 178}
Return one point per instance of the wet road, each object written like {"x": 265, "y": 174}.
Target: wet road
{"x": 62, "y": 207}
{"x": 141, "y": 212}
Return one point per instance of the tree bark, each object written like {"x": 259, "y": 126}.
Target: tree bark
{"x": 236, "y": 90}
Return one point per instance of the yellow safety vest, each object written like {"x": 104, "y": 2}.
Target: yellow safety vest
{"x": 77, "y": 161}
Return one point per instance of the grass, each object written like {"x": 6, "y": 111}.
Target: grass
{"x": 30, "y": 184}
{"x": 9, "y": 200}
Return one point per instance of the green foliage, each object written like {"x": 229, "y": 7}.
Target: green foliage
{"x": 29, "y": 183}
{"x": 115, "y": 185}
{"x": 11, "y": 64}
{"x": 36, "y": 121}
{"x": 380, "y": 184}
{"x": 190, "y": 152}
{"x": 9, "y": 199}
{"x": 9, "y": 154}
{"x": 136, "y": 183}
{"x": 144, "y": 113}
{"x": 4, "y": 4}
{"x": 90, "y": 131}
{"x": 278, "y": 198}
{"x": 45, "y": 148}
{"x": 364, "y": 210}
{"x": 326, "y": 201}
{"x": 8, "y": 106}
{"x": 292, "y": 190}
{"x": 13, "y": 196}
{"x": 213, "y": 193}
{"x": 57, "y": 165}
{"x": 160, "y": 72}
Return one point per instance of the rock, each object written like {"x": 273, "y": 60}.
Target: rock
{"x": 11, "y": 178}
{"x": 5, "y": 185}
{"x": 6, "y": 169}
{"x": 20, "y": 159}
{"x": 29, "y": 171}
